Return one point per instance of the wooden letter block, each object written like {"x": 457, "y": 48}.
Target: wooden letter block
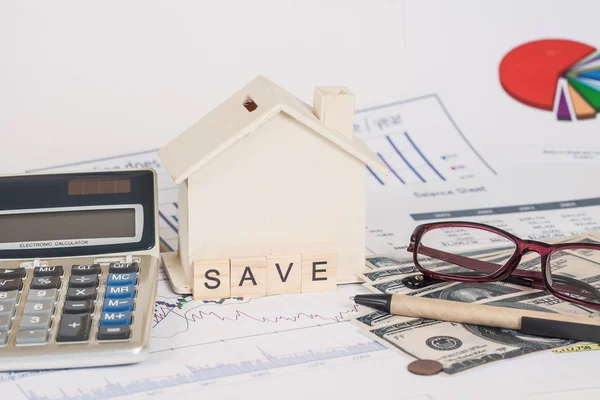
{"x": 284, "y": 274}
{"x": 211, "y": 279}
{"x": 319, "y": 272}
{"x": 248, "y": 276}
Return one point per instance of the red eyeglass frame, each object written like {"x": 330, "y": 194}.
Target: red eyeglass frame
{"x": 541, "y": 280}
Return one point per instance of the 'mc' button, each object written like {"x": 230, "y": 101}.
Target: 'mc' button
{"x": 120, "y": 292}
{"x": 121, "y": 279}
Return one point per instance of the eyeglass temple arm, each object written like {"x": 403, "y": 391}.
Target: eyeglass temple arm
{"x": 568, "y": 285}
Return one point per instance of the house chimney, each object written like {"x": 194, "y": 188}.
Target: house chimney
{"x": 334, "y": 106}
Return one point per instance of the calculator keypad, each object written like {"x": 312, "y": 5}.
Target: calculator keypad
{"x": 77, "y": 313}
{"x": 111, "y": 299}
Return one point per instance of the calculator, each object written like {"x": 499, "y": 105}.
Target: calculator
{"x": 79, "y": 261}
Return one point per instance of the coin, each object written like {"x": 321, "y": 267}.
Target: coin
{"x": 425, "y": 367}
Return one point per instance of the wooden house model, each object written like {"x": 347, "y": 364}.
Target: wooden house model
{"x": 271, "y": 195}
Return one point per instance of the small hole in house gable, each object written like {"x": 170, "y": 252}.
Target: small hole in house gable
{"x": 250, "y": 104}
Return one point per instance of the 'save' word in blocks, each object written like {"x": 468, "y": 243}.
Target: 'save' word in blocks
{"x": 248, "y": 276}
{"x": 259, "y": 276}
{"x": 212, "y": 279}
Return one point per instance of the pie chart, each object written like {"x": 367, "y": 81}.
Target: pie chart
{"x": 558, "y": 75}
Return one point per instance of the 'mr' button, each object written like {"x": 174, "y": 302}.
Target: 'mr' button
{"x": 120, "y": 292}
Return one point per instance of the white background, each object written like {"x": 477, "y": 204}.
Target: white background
{"x": 82, "y": 79}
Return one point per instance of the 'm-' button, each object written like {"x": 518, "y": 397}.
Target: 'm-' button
{"x": 118, "y": 305}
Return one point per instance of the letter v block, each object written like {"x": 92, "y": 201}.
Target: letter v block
{"x": 248, "y": 276}
{"x": 284, "y": 274}
{"x": 319, "y": 272}
{"x": 211, "y": 279}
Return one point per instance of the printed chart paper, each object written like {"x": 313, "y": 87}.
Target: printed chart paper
{"x": 200, "y": 343}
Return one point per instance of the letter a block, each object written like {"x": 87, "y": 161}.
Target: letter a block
{"x": 248, "y": 276}
{"x": 284, "y": 274}
{"x": 319, "y": 272}
{"x": 211, "y": 279}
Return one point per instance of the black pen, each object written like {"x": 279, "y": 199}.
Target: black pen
{"x": 525, "y": 321}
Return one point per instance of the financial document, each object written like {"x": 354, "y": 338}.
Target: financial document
{"x": 208, "y": 344}
{"x": 227, "y": 347}
{"x": 564, "y": 203}
{"x": 419, "y": 142}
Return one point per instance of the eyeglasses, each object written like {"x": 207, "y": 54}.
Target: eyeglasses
{"x": 566, "y": 270}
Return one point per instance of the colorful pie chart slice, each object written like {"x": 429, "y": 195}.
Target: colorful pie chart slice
{"x": 557, "y": 75}
{"x": 595, "y": 74}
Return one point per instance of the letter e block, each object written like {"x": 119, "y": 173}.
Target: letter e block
{"x": 284, "y": 274}
{"x": 248, "y": 277}
{"x": 211, "y": 279}
{"x": 319, "y": 272}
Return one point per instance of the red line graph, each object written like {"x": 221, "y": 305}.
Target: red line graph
{"x": 239, "y": 315}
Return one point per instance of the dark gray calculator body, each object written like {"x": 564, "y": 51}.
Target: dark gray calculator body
{"x": 79, "y": 260}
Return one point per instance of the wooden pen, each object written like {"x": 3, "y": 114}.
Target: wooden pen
{"x": 525, "y": 321}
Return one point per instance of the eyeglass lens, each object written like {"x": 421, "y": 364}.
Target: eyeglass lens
{"x": 576, "y": 273}
{"x": 454, "y": 246}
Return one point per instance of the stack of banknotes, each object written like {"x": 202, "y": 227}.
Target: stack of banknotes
{"x": 457, "y": 346}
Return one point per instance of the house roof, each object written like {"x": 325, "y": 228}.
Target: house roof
{"x": 231, "y": 121}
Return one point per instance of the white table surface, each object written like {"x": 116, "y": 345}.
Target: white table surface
{"x": 82, "y": 80}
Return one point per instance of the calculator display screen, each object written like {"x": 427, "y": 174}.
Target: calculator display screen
{"x": 72, "y": 214}
{"x": 67, "y": 225}
{"x": 70, "y": 227}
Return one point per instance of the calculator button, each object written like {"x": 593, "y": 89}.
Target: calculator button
{"x": 34, "y": 322}
{"x": 42, "y": 295}
{"x": 115, "y": 318}
{"x": 113, "y": 305}
{"x": 32, "y": 337}
{"x": 38, "y": 308}
{"x": 117, "y": 332}
{"x": 121, "y": 279}
{"x": 120, "y": 292}
{"x": 87, "y": 269}
{"x": 122, "y": 268}
{"x": 81, "y": 294}
{"x": 45, "y": 282}
{"x": 83, "y": 281}
{"x": 7, "y": 310}
{"x": 78, "y": 307}
{"x": 55, "y": 270}
{"x": 3, "y": 337}
{"x": 7, "y": 285}
{"x": 9, "y": 297}
{"x": 12, "y": 273}
{"x": 74, "y": 328}
{"x": 5, "y": 323}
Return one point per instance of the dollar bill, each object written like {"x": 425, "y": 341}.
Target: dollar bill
{"x": 378, "y": 261}
{"x": 460, "y": 347}
{"x": 378, "y": 318}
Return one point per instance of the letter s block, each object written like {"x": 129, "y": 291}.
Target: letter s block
{"x": 319, "y": 272}
{"x": 211, "y": 279}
